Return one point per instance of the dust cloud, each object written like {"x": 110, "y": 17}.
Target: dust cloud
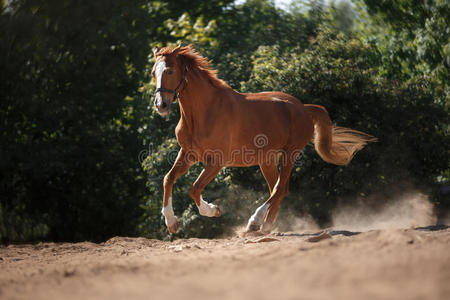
{"x": 400, "y": 211}
{"x": 292, "y": 222}
{"x": 407, "y": 211}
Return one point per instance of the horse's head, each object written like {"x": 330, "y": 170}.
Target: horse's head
{"x": 169, "y": 73}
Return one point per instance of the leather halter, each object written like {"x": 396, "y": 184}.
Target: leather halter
{"x": 175, "y": 91}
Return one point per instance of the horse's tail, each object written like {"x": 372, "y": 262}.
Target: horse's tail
{"x": 336, "y": 145}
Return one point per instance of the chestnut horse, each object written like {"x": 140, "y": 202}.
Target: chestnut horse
{"x": 220, "y": 127}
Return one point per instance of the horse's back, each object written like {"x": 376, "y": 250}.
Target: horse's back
{"x": 281, "y": 117}
{"x": 276, "y": 107}
{"x": 242, "y": 125}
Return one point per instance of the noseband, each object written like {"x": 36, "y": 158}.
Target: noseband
{"x": 175, "y": 91}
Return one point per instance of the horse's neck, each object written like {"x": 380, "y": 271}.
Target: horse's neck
{"x": 196, "y": 101}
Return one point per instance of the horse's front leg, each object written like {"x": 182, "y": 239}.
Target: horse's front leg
{"x": 205, "y": 208}
{"x": 180, "y": 167}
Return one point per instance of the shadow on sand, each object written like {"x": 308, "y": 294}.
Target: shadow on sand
{"x": 333, "y": 232}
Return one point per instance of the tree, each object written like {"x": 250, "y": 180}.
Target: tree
{"x": 416, "y": 41}
{"x": 69, "y": 151}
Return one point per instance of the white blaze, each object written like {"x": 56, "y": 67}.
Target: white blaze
{"x": 159, "y": 70}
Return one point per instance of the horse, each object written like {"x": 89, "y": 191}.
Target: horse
{"x": 220, "y": 127}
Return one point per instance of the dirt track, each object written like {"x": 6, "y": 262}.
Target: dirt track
{"x": 386, "y": 264}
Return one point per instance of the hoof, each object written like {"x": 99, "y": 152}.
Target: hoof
{"x": 252, "y": 227}
{"x": 252, "y": 233}
{"x": 208, "y": 209}
{"x": 217, "y": 214}
{"x": 173, "y": 227}
{"x": 266, "y": 228}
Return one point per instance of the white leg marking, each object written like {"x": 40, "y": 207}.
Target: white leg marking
{"x": 167, "y": 211}
{"x": 207, "y": 209}
{"x": 258, "y": 217}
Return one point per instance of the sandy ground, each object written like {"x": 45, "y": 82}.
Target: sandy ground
{"x": 379, "y": 264}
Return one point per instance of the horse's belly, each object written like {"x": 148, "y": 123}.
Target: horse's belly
{"x": 246, "y": 157}
{"x": 238, "y": 157}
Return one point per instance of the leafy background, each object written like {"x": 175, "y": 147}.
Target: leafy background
{"x": 83, "y": 153}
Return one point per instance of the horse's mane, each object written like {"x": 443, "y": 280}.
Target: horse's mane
{"x": 196, "y": 63}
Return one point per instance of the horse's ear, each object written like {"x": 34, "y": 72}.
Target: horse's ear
{"x": 156, "y": 50}
{"x": 181, "y": 50}
{"x": 175, "y": 51}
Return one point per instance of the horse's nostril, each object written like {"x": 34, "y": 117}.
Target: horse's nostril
{"x": 163, "y": 104}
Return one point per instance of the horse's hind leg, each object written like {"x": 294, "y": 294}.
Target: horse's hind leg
{"x": 205, "y": 208}
{"x": 280, "y": 190}
{"x": 270, "y": 173}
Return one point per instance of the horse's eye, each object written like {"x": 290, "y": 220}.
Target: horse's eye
{"x": 170, "y": 72}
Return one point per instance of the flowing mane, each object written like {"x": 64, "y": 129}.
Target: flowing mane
{"x": 196, "y": 64}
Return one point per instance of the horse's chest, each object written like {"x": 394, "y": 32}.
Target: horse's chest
{"x": 187, "y": 137}
{"x": 184, "y": 136}
{"x": 198, "y": 139}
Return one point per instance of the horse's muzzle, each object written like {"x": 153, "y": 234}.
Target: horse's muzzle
{"x": 162, "y": 105}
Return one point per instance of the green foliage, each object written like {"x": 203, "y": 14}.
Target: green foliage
{"x": 416, "y": 41}
{"x": 68, "y": 143}
{"x": 343, "y": 16}
{"x": 242, "y": 29}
